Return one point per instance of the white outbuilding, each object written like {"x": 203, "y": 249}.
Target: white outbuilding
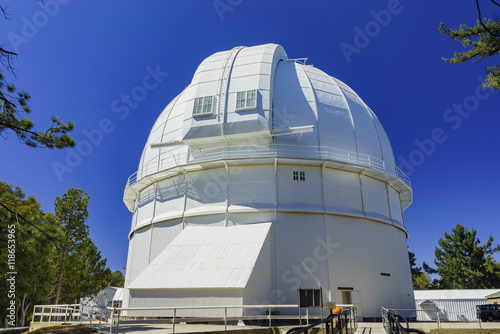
{"x": 453, "y": 305}
{"x": 265, "y": 174}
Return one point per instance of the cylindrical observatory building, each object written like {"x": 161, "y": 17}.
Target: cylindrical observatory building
{"x": 265, "y": 174}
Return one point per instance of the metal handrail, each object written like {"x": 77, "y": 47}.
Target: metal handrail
{"x": 266, "y": 151}
{"x": 391, "y": 321}
{"x": 346, "y": 319}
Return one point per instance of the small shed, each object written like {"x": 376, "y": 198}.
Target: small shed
{"x": 110, "y": 296}
{"x": 494, "y": 298}
{"x": 453, "y": 305}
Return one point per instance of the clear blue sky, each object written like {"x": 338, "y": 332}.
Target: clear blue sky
{"x": 78, "y": 58}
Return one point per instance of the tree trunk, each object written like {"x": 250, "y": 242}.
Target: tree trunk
{"x": 61, "y": 275}
{"x": 23, "y": 308}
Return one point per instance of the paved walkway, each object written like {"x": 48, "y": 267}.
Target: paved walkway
{"x": 363, "y": 328}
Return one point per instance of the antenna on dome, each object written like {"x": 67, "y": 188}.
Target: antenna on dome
{"x": 300, "y": 60}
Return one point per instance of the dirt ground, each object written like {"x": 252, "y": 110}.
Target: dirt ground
{"x": 63, "y": 329}
{"x": 464, "y": 331}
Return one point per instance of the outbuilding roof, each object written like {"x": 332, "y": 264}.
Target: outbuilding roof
{"x": 453, "y": 294}
{"x": 493, "y": 295}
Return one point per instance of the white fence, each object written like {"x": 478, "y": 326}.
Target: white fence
{"x": 77, "y": 313}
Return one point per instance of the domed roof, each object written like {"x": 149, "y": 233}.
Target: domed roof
{"x": 251, "y": 96}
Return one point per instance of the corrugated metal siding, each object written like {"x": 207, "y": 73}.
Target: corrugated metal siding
{"x": 454, "y": 305}
{"x": 450, "y": 309}
{"x": 103, "y": 298}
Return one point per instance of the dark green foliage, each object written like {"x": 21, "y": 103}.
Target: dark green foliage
{"x": 116, "y": 279}
{"x": 463, "y": 264}
{"x": 415, "y": 271}
{"x": 481, "y": 41}
{"x": 33, "y": 252}
{"x": 54, "y": 255}
{"x": 421, "y": 280}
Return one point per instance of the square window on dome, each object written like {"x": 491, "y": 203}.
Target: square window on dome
{"x": 246, "y": 100}
{"x": 203, "y": 106}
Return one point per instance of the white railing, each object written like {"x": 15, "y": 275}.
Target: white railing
{"x": 113, "y": 316}
{"x": 266, "y": 151}
{"x": 71, "y": 313}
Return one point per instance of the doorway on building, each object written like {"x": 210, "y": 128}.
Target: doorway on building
{"x": 346, "y": 297}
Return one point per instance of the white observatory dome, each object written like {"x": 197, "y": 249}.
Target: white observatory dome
{"x": 279, "y": 158}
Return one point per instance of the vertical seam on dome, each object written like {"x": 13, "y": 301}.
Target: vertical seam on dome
{"x": 224, "y": 108}
{"x": 315, "y": 101}
{"x": 277, "y": 48}
{"x": 166, "y": 121}
{"x": 372, "y": 114}
{"x": 350, "y": 115}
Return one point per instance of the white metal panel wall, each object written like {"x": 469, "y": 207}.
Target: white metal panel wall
{"x": 129, "y": 262}
{"x": 395, "y": 206}
{"x": 252, "y": 187}
{"x": 162, "y": 235}
{"x": 186, "y": 297}
{"x": 297, "y": 247}
{"x": 349, "y": 259}
{"x": 206, "y": 191}
{"x": 361, "y": 251}
{"x": 207, "y": 220}
{"x": 236, "y": 218}
{"x": 170, "y": 197}
{"x": 145, "y": 206}
{"x": 342, "y": 192}
{"x": 299, "y": 195}
{"x": 375, "y": 200}
{"x": 401, "y": 268}
{"x": 139, "y": 247}
{"x": 258, "y": 288}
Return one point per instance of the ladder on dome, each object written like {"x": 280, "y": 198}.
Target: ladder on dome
{"x": 223, "y": 80}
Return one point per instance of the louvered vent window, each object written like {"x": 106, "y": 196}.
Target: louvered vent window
{"x": 299, "y": 175}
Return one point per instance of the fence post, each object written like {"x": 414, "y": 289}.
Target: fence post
{"x": 118, "y": 321}
{"x": 91, "y": 314}
{"x": 111, "y": 323}
{"x": 100, "y": 318}
{"x": 65, "y": 313}
{"x": 41, "y": 316}
{"x": 269, "y": 315}
{"x": 439, "y": 321}
{"x": 173, "y": 326}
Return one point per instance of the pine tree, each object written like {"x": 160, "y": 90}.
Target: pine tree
{"x": 32, "y": 246}
{"x": 463, "y": 264}
{"x": 71, "y": 212}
